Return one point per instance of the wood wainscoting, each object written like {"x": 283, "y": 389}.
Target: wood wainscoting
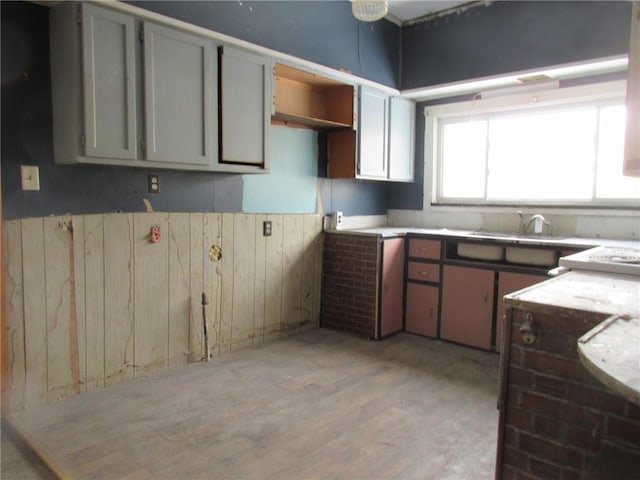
{"x": 92, "y": 301}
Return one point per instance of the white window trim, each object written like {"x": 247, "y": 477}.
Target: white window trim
{"x": 582, "y": 93}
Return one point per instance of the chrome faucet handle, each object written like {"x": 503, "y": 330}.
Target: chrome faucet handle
{"x": 523, "y": 222}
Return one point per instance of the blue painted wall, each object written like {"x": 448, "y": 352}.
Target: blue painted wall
{"x": 509, "y": 36}
{"x": 324, "y": 32}
{"x": 291, "y": 187}
{"x": 312, "y": 30}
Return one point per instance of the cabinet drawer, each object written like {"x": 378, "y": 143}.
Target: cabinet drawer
{"x": 424, "y": 248}
{"x": 426, "y": 272}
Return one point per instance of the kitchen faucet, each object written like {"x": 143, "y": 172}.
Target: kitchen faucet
{"x": 538, "y": 221}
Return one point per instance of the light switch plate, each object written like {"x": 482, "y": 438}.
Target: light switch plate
{"x": 30, "y": 175}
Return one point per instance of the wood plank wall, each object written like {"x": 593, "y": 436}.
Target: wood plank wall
{"x": 92, "y": 302}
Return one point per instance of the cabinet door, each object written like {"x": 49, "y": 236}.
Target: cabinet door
{"x": 421, "y": 315}
{"x": 392, "y": 281}
{"x": 372, "y": 135}
{"x": 109, "y": 81}
{"x": 467, "y": 306}
{"x": 180, "y": 81}
{"x": 402, "y": 114}
{"x": 247, "y": 82}
{"x": 510, "y": 282}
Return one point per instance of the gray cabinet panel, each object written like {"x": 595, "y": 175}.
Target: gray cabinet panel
{"x": 179, "y": 103}
{"x": 109, "y": 83}
{"x": 372, "y": 134}
{"x": 402, "y": 114}
{"x": 246, "y": 107}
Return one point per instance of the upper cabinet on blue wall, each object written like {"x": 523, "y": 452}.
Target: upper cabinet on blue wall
{"x": 246, "y": 88}
{"x": 381, "y": 147}
{"x": 168, "y": 117}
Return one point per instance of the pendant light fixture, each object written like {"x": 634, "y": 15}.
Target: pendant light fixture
{"x": 369, "y": 10}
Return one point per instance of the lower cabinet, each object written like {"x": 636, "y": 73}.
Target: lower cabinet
{"x": 507, "y": 283}
{"x": 467, "y": 306}
{"x": 391, "y": 288}
{"x": 421, "y": 315}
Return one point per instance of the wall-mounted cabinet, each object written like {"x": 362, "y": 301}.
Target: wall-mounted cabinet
{"x": 381, "y": 148}
{"x": 131, "y": 92}
{"x": 180, "y": 80}
{"x": 305, "y": 98}
{"x": 246, "y": 87}
{"x": 402, "y": 114}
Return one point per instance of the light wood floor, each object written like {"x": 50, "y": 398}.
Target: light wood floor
{"x": 321, "y": 404}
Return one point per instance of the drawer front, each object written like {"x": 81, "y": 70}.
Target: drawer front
{"x": 426, "y": 272}
{"x": 424, "y": 248}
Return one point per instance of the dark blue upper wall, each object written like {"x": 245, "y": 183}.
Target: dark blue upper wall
{"x": 509, "y": 36}
{"x": 503, "y": 37}
{"x": 323, "y": 32}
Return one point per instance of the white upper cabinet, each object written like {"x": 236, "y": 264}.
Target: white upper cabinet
{"x": 372, "y": 134}
{"x": 402, "y": 113}
{"x": 126, "y": 91}
{"x": 180, "y": 80}
{"x": 246, "y": 93}
{"x": 109, "y": 81}
{"x": 382, "y": 145}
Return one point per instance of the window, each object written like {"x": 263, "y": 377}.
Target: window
{"x": 559, "y": 147}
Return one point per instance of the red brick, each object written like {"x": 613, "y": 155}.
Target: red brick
{"x": 596, "y": 398}
{"x": 567, "y": 323}
{"x": 520, "y": 475}
{"x": 555, "y": 387}
{"x": 572, "y": 475}
{"x": 585, "y": 438}
{"x": 554, "y": 342}
{"x": 518, "y": 417}
{"x": 544, "y": 469}
{"x": 550, "y": 451}
{"x": 510, "y": 436}
{"x": 624, "y": 429}
{"x": 518, "y": 376}
{"x": 508, "y": 473}
{"x": 633, "y": 411}
{"x": 554, "y": 365}
{"x": 513, "y": 395}
{"x": 548, "y": 427}
{"x": 515, "y": 458}
{"x": 516, "y": 355}
{"x": 552, "y": 407}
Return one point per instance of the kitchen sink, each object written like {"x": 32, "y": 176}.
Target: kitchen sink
{"x": 531, "y": 256}
{"x": 480, "y": 252}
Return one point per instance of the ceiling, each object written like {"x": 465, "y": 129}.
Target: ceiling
{"x": 401, "y": 11}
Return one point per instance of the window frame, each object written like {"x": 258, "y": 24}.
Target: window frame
{"x": 436, "y": 115}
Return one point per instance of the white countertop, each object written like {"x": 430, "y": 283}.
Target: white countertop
{"x": 611, "y": 352}
{"x": 510, "y": 238}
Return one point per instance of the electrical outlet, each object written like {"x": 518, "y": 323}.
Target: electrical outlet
{"x": 154, "y": 183}
{"x": 30, "y": 175}
{"x": 266, "y": 228}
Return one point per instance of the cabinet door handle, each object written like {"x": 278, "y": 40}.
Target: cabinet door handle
{"x": 486, "y": 297}
{"x": 424, "y": 274}
{"x": 423, "y": 249}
